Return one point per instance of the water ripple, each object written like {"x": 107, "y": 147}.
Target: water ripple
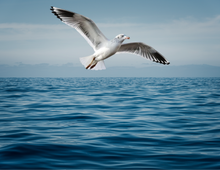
{"x": 110, "y": 123}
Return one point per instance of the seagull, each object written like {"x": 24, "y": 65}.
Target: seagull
{"x": 104, "y": 48}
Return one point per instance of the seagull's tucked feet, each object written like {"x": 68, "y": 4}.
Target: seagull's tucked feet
{"x": 99, "y": 66}
{"x": 86, "y": 61}
{"x": 91, "y": 63}
{"x": 93, "y": 66}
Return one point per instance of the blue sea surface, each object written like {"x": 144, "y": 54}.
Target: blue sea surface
{"x": 109, "y": 123}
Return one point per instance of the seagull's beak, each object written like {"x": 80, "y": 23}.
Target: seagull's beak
{"x": 127, "y": 37}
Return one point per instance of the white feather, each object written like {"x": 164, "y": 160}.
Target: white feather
{"x": 86, "y": 60}
{"x": 85, "y": 26}
{"x": 99, "y": 66}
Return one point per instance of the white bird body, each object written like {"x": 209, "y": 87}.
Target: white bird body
{"x": 104, "y": 48}
{"x": 106, "y": 51}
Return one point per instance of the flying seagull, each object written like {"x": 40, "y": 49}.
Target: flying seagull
{"x": 103, "y": 47}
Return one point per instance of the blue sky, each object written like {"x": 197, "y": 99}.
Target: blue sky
{"x": 185, "y": 32}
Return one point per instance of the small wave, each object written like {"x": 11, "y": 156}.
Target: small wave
{"x": 109, "y": 123}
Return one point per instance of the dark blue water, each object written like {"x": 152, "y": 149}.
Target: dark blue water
{"x": 109, "y": 123}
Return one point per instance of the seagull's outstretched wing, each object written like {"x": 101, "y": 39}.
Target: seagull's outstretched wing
{"x": 85, "y": 26}
{"x": 144, "y": 51}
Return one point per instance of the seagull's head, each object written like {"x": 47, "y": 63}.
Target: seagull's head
{"x": 121, "y": 37}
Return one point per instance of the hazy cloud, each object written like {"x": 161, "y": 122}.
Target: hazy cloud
{"x": 183, "y": 41}
{"x": 182, "y": 28}
{"x": 17, "y": 31}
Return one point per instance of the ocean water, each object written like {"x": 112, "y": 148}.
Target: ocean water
{"x": 109, "y": 123}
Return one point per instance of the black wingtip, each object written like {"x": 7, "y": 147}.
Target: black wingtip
{"x": 160, "y": 59}
{"x": 162, "y": 62}
{"x": 54, "y": 12}
{"x": 61, "y": 13}
{"x": 51, "y": 8}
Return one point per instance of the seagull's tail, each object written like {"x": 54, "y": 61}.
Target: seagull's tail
{"x": 99, "y": 65}
{"x": 86, "y": 60}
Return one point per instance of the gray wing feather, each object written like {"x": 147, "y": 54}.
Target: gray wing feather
{"x": 85, "y": 26}
{"x": 144, "y": 51}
